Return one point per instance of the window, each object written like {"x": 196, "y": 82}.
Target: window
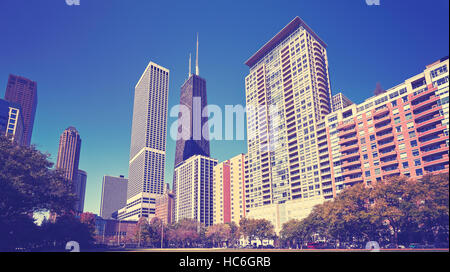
{"x": 372, "y": 137}
{"x": 394, "y": 103}
{"x": 415, "y": 152}
{"x": 419, "y": 172}
{"x": 405, "y": 98}
{"x": 401, "y": 146}
{"x": 363, "y": 140}
{"x": 366, "y": 157}
{"x": 400, "y": 137}
{"x": 410, "y": 125}
{"x": 377, "y": 171}
{"x": 408, "y": 116}
{"x": 413, "y": 143}
{"x": 417, "y": 162}
{"x": 406, "y": 107}
{"x": 367, "y": 173}
{"x": 395, "y": 111}
{"x": 375, "y": 154}
{"x": 396, "y": 120}
{"x": 405, "y": 164}
{"x": 398, "y": 129}
{"x": 412, "y": 134}
{"x": 403, "y": 155}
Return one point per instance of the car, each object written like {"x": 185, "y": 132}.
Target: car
{"x": 312, "y": 245}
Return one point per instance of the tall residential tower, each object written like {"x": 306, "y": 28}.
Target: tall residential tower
{"x": 287, "y": 93}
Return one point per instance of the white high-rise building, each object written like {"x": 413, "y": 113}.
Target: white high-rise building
{"x": 194, "y": 190}
{"x": 148, "y": 143}
{"x": 287, "y": 93}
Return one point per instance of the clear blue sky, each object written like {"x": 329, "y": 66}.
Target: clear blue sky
{"x": 87, "y": 59}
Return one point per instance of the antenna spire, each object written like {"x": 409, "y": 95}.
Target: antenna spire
{"x": 190, "y": 65}
{"x": 196, "y": 59}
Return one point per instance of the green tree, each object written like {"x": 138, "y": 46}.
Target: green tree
{"x": 28, "y": 185}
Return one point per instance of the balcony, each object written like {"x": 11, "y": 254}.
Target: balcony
{"x": 441, "y": 149}
{"x": 380, "y": 111}
{"x": 352, "y": 155}
{"x": 439, "y": 127}
{"x": 444, "y": 159}
{"x": 390, "y": 172}
{"x": 347, "y": 172}
{"x": 351, "y": 163}
{"x": 347, "y": 124}
{"x": 388, "y": 154}
{"x": 347, "y": 133}
{"x": 429, "y": 121}
{"x": 389, "y": 163}
{"x": 424, "y": 93}
{"x": 353, "y": 179}
{"x": 345, "y": 141}
{"x": 348, "y": 148}
{"x": 384, "y": 137}
{"x": 426, "y": 112}
{"x": 432, "y": 99}
{"x": 381, "y": 120}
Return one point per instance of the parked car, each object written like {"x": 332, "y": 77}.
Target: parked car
{"x": 312, "y": 245}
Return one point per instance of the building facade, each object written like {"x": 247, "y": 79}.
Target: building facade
{"x": 228, "y": 190}
{"x": 11, "y": 121}
{"x": 194, "y": 190}
{"x": 403, "y": 131}
{"x": 340, "y": 101}
{"x": 301, "y": 153}
{"x": 114, "y": 195}
{"x": 23, "y": 91}
{"x": 148, "y": 143}
{"x": 164, "y": 207}
{"x": 287, "y": 93}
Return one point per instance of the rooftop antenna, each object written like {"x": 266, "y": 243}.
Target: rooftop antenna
{"x": 196, "y": 59}
{"x": 190, "y": 65}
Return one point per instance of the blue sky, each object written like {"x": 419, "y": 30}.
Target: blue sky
{"x": 87, "y": 59}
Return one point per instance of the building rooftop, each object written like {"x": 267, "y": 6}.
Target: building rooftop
{"x": 285, "y": 32}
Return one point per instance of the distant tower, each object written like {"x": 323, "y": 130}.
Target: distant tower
{"x": 80, "y": 190}
{"x": 378, "y": 90}
{"x": 69, "y": 153}
{"x": 23, "y": 91}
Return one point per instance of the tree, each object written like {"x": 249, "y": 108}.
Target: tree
{"x": 235, "y": 235}
{"x": 218, "y": 233}
{"x": 88, "y": 219}
{"x": 28, "y": 185}
{"x": 257, "y": 229}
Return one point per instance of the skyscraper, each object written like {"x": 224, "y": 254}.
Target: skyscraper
{"x": 114, "y": 195}
{"x": 287, "y": 93}
{"x": 69, "y": 153}
{"x": 23, "y": 92}
{"x": 192, "y": 151}
{"x": 11, "y": 121}
{"x": 148, "y": 143}
{"x": 193, "y": 97}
